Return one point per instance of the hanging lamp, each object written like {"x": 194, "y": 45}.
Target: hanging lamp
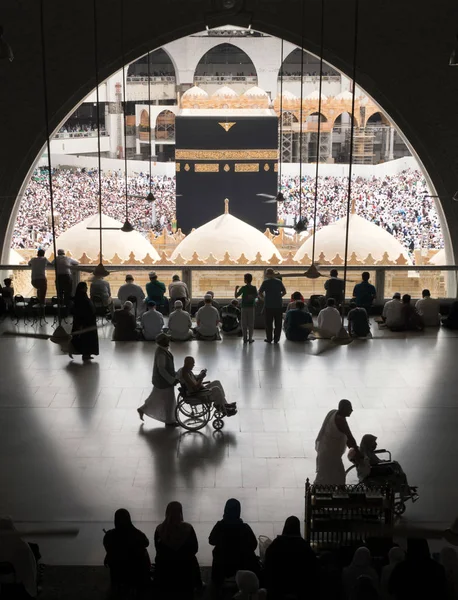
{"x": 99, "y": 270}
{"x": 127, "y": 227}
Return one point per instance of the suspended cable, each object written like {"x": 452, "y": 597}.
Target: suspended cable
{"x": 301, "y": 108}
{"x": 48, "y": 148}
{"x": 318, "y": 141}
{"x": 150, "y": 196}
{"x": 100, "y": 269}
{"x": 280, "y": 197}
{"x": 127, "y": 227}
{"x": 352, "y": 133}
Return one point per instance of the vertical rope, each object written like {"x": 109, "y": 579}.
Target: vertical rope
{"x": 149, "y": 115}
{"x": 318, "y": 141}
{"x": 301, "y": 109}
{"x": 352, "y": 132}
{"x": 99, "y": 159}
{"x": 124, "y": 85}
{"x": 48, "y": 147}
{"x": 281, "y": 116}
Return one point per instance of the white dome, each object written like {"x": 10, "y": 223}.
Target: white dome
{"x": 225, "y": 92}
{"x": 256, "y": 92}
{"x": 224, "y": 234}
{"x": 79, "y": 240}
{"x": 344, "y": 96}
{"x": 364, "y": 238}
{"x": 15, "y": 258}
{"x": 315, "y": 95}
{"x": 439, "y": 258}
{"x": 288, "y": 95}
{"x": 195, "y": 92}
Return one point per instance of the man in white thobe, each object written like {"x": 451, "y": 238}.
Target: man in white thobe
{"x": 429, "y": 309}
{"x": 152, "y": 322}
{"x": 334, "y": 437}
{"x": 180, "y": 323}
{"x": 129, "y": 289}
{"x": 329, "y": 320}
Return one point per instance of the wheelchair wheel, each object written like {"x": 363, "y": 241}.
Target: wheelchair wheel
{"x": 192, "y": 416}
{"x": 399, "y": 508}
{"x": 218, "y": 424}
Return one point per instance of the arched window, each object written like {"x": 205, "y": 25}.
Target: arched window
{"x": 289, "y": 118}
{"x": 225, "y": 63}
{"x": 165, "y": 126}
{"x": 161, "y": 66}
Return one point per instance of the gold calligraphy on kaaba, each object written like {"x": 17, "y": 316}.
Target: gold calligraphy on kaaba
{"x": 177, "y": 167}
{"x": 227, "y": 167}
{"x": 206, "y": 168}
{"x": 246, "y": 167}
{"x": 187, "y": 167}
{"x": 226, "y": 126}
{"x": 266, "y": 167}
{"x": 226, "y": 154}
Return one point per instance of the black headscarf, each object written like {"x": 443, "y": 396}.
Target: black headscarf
{"x": 417, "y": 549}
{"x": 122, "y": 520}
{"x": 292, "y": 527}
{"x": 232, "y": 511}
{"x": 81, "y": 290}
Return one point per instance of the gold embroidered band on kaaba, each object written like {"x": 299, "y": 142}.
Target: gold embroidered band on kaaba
{"x": 226, "y": 154}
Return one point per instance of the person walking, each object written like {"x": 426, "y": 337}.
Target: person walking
{"x": 271, "y": 292}
{"x": 161, "y": 403}
{"x": 249, "y": 294}
{"x": 39, "y": 280}
{"x": 84, "y": 317}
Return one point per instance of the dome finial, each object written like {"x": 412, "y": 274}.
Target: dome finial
{"x": 226, "y": 206}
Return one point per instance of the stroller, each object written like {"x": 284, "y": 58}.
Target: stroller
{"x": 372, "y": 470}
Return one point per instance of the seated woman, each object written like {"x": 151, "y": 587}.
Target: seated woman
{"x": 177, "y": 570}
{"x": 451, "y": 320}
{"x": 298, "y": 323}
{"x": 125, "y": 325}
{"x": 369, "y": 465}
{"x": 127, "y": 555}
{"x": 248, "y": 584}
{"x": 296, "y": 297}
{"x": 289, "y": 562}
{"x": 16, "y": 552}
{"x": 234, "y": 545}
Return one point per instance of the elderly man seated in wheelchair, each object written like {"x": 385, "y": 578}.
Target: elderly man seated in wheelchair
{"x": 205, "y": 391}
{"x": 371, "y": 468}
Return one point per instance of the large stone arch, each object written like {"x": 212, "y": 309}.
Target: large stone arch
{"x": 343, "y": 112}
{"x": 392, "y": 80}
{"x": 221, "y": 44}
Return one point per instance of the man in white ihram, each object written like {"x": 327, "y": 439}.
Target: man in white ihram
{"x": 333, "y": 439}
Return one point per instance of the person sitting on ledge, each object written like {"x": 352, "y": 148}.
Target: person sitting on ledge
{"x": 230, "y": 318}
{"x": 127, "y": 555}
{"x": 207, "y": 319}
{"x": 298, "y": 323}
{"x": 329, "y": 320}
{"x": 124, "y": 324}
{"x": 358, "y": 321}
{"x": 451, "y": 320}
{"x": 180, "y": 323}
{"x": 234, "y": 545}
{"x": 155, "y": 290}
{"x": 152, "y": 322}
{"x": 412, "y": 321}
{"x": 210, "y": 391}
{"x": 429, "y": 309}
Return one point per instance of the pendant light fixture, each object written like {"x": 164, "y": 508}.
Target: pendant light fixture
{"x": 100, "y": 270}
{"x": 127, "y": 227}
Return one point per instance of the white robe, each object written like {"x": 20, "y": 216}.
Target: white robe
{"x": 330, "y": 446}
{"x": 161, "y": 403}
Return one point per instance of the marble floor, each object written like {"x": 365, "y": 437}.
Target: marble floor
{"x": 73, "y": 449}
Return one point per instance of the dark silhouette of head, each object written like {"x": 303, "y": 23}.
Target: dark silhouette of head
{"x": 40, "y": 252}
{"x": 365, "y": 276}
{"x": 331, "y": 302}
{"x": 345, "y": 408}
{"x": 296, "y": 296}
{"x": 232, "y": 510}
{"x": 122, "y": 519}
{"x": 300, "y": 305}
{"x": 426, "y": 293}
{"x": 334, "y": 273}
{"x": 292, "y": 526}
{"x": 406, "y": 299}
{"x": 248, "y": 278}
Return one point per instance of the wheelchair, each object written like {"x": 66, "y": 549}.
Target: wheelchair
{"x": 194, "y": 413}
{"x": 402, "y": 492}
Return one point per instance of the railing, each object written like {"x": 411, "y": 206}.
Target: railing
{"x": 78, "y": 134}
{"x": 311, "y": 78}
{"x": 143, "y": 136}
{"x": 223, "y": 278}
{"x": 153, "y": 79}
{"x": 226, "y": 79}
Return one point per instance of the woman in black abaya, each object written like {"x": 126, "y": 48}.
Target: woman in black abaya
{"x": 83, "y": 318}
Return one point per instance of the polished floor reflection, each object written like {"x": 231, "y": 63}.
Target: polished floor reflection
{"x": 73, "y": 449}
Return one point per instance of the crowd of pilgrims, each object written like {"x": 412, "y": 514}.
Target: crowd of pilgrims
{"x": 395, "y": 202}
{"x": 285, "y": 568}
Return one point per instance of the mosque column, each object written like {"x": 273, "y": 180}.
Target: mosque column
{"x": 391, "y": 149}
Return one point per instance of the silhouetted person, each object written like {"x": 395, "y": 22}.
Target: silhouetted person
{"x": 334, "y": 287}
{"x": 364, "y": 293}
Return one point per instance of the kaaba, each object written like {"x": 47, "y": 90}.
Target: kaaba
{"x": 225, "y": 153}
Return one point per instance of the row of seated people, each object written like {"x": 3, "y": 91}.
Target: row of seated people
{"x": 287, "y": 567}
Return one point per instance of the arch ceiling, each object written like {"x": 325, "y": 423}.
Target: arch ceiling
{"x": 231, "y": 66}
{"x": 409, "y": 78}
